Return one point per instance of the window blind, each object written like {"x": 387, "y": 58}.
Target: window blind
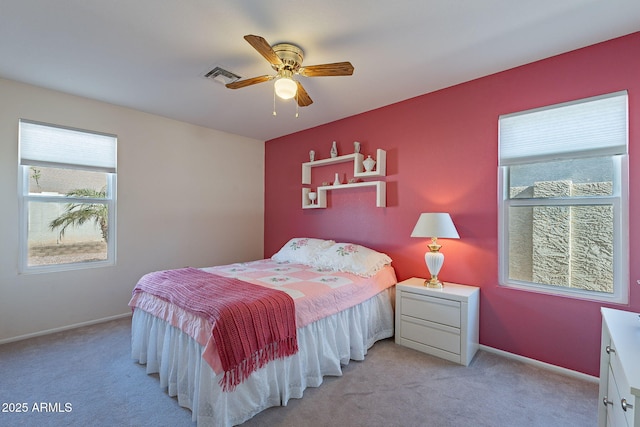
{"x": 55, "y": 146}
{"x": 588, "y": 127}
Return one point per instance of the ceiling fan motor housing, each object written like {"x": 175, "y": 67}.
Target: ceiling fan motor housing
{"x": 290, "y": 55}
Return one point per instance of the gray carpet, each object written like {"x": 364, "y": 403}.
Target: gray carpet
{"x": 85, "y": 377}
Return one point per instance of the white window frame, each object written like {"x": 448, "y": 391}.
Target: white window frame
{"x": 619, "y": 200}
{"x": 102, "y": 160}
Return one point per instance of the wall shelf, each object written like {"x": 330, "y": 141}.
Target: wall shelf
{"x": 358, "y": 172}
{"x": 358, "y": 168}
{"x": 321, "y": 202}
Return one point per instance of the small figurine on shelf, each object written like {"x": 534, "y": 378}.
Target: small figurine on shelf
{"x": 369, "y": 164}
{"x": 312, "y": 155}
{"x": 334, "y": 150}
{"x": 356, "y": 147}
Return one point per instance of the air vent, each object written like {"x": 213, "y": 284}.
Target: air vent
{"x": 221, "y": 75}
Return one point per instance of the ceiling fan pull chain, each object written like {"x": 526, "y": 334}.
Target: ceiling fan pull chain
{"x": 274, "y": 101}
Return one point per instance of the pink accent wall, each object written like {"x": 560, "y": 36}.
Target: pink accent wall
{"x": 442, "y": 156}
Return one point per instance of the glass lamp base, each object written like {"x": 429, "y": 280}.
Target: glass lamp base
{"x": 434, "y": 261}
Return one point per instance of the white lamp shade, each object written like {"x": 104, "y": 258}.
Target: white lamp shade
{"x": 285, "y": 88}
{"x": 435, "y": 225}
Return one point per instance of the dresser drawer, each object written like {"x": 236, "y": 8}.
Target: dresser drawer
{"x": 622, "y": 389}
{"x": 615, "y": 414}
{"x": 619, "y": 392}
{"x": 431, "y": 334}
{"x": 438, "y": 310}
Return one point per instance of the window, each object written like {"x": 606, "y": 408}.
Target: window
{"x": 67, "y": 198}
{"x": 563, "y": 199}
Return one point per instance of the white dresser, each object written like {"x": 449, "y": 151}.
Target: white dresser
{"x": 619, "y": 369}
{"x": 442, "y": 322}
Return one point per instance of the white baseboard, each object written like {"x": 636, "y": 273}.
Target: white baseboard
{"x": 64, "y": 328}
{"x": 543, "y": 365}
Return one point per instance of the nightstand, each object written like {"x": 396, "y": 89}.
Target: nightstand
{"x": 442, "y": 322}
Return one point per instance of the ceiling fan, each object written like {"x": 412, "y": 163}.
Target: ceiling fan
{"x": 286, "y": 60}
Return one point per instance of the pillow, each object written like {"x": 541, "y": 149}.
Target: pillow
{"x": 301, "y": 250}
{"x": 352, "y": 258}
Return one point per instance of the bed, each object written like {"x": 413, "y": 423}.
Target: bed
{"x": 342, "y": 296}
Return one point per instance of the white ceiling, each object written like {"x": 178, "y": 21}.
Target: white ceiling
{"x": 152, "y": 55}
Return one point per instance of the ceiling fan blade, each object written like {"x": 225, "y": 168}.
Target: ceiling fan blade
{"x": 302, "y": 96}
{"x": 335, "y": 69}
{"x": 264, "y": 48}
{"x": 248, "y": 82}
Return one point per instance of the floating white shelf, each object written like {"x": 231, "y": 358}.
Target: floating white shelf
{"x": 358, "y": 172}
{"x": 321, "y": 202}
{"x": 358, "y": 168}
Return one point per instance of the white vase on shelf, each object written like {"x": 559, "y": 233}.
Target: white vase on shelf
{"x": 334, "y": 150}
{"x": 337, "y": 180}
{"x": 369, "y": 164}
{"x": 312, "y": 197}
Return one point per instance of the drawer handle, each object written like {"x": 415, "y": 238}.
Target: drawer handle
{"x": 609, "y": 349}
{"x": 625, "y": 405}
{"x": 606, "y": 401}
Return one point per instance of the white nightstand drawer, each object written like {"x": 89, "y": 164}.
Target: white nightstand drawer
{"x": 439, "y": 310}
{"x": 431, "y": 334}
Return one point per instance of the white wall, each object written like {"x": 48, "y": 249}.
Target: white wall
{"x": 187, "y": 196}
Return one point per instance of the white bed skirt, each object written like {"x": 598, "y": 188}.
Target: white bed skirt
{"x": 324, "y": 346}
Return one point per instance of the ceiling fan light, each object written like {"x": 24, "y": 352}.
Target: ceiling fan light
{"x": 285, "y": 88}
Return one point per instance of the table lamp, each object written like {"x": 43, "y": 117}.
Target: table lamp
{"x": 434, "y": 225}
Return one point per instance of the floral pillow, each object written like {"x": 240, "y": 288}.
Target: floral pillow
{"x": 301, "y": 250}
{"x": 352, "y": 258}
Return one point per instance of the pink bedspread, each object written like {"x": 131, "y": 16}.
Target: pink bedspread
{"x": 316, "y": 293}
